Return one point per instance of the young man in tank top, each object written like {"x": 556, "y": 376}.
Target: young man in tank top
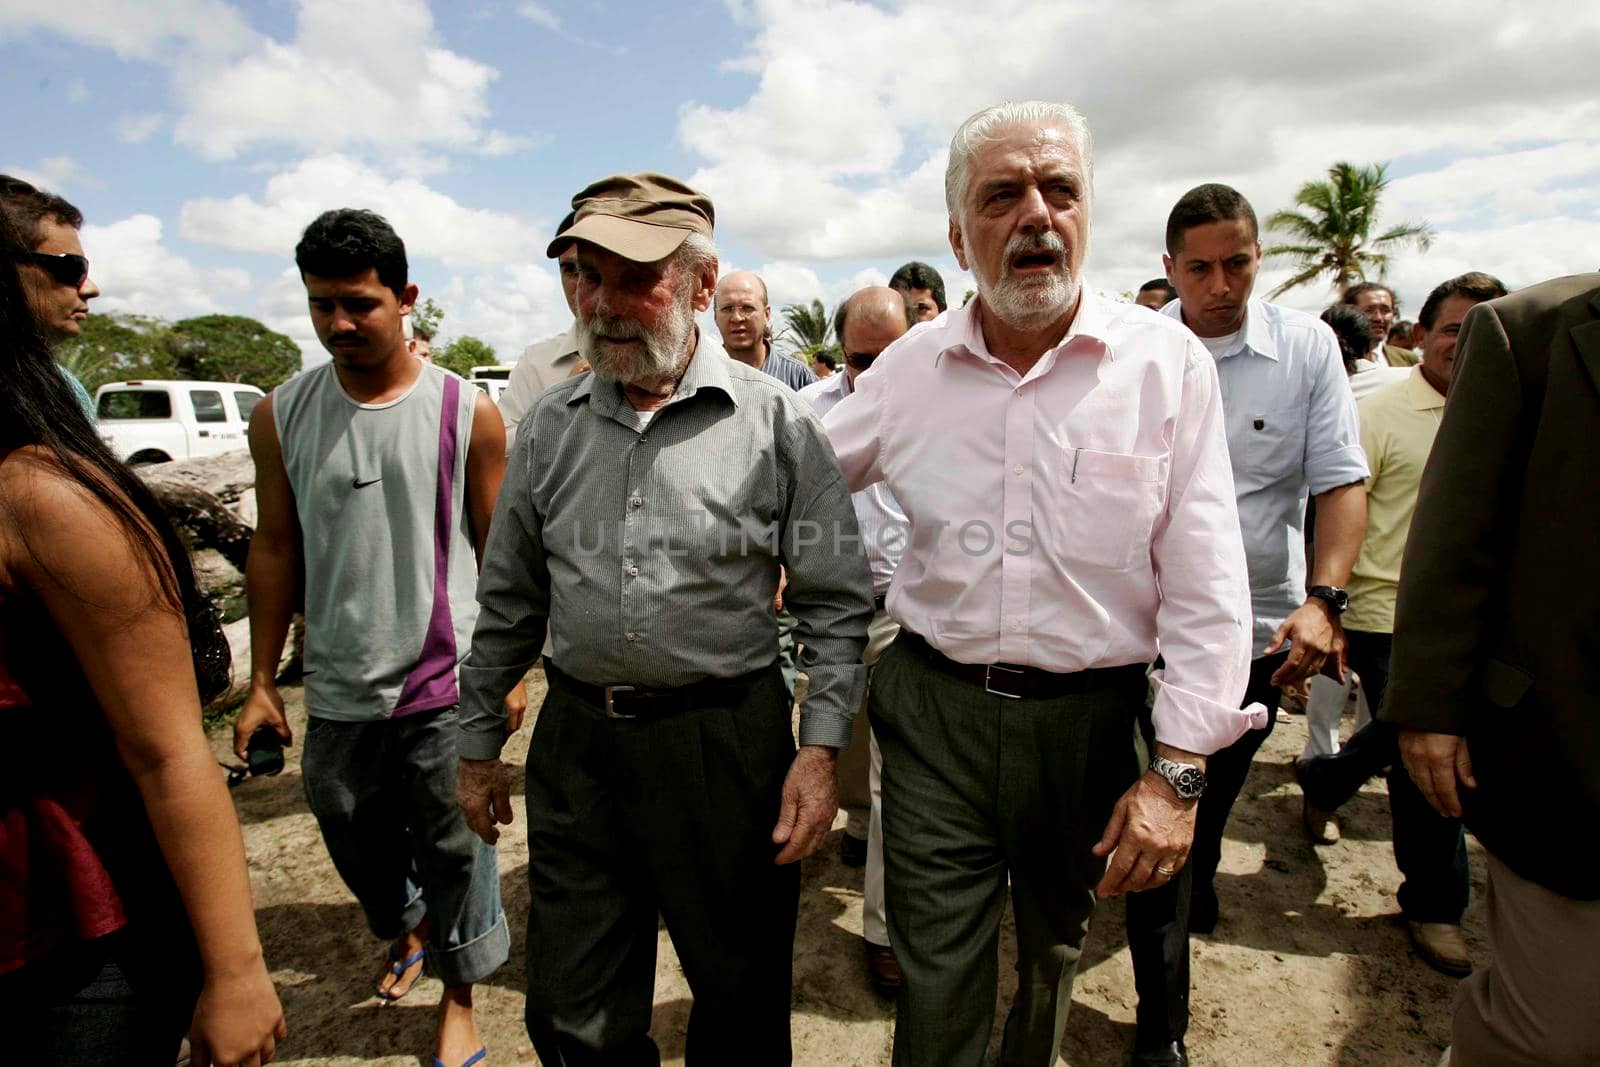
{"x": 376, "y": 476}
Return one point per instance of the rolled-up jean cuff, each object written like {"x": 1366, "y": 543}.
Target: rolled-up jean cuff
{"x": 475, "y": 960}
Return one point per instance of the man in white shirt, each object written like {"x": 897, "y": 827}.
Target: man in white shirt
{"x": 1292, "y": 433}
{"x": 546, "y": 362}
{"x": 1061, "y": 459}
{"x": 1377, "y": 302}
{"x": 868, "y": 322}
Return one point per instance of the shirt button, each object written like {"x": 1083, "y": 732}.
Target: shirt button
{"x": 637, "y": 502}
{"x": 1016, "y": 625}
{"x": 632, "y": 636}
{"x": 634, "y": 571}
{"x": 1017, "y": 469}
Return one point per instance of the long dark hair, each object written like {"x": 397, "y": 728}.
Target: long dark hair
{"x": 39, "y": 408}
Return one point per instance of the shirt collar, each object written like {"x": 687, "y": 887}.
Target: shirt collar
{"x": 1253, "y": 332}
{"x": 1423, "y": 396}
{"x": 1092, "y": 321}
{"x": 708, "y": 369}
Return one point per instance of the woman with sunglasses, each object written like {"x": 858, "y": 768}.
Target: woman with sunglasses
{"x": 125, "y": 913}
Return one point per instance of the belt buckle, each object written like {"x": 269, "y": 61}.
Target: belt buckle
{"x": 611, "y": 709}
{"x": 989, "y": 680}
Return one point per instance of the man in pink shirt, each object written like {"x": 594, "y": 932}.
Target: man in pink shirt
{"x": 1062, "y": 463}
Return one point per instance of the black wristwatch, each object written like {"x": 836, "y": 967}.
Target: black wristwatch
{"x": 1336, "y": 599}
{"x": 1186, "y": 780}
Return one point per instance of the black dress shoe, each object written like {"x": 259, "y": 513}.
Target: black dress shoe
{"x": 853, "y": 851}
{"x": 1166, "y": 1054}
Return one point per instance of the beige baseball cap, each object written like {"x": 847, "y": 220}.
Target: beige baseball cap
{"x": 642, "y": 217}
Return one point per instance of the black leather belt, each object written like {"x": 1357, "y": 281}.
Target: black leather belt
{"x": 1014, "y": 682}
{"x": 878, "y": 601}
{"x": 645, "y": 702}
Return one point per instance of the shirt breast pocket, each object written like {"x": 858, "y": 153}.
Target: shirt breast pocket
{"x": 1271, "y": 444}
{"x": 1113, "y": 501}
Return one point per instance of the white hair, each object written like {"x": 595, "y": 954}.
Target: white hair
{"x": 695, "y": 254}
{"x": 988, "y": 124}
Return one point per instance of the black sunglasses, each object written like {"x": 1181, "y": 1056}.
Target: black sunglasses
{"x": 68, "y": 268}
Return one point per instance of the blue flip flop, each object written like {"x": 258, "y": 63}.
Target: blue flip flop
{"x": 399, "y": 967}
{"x": 477, "y": 1057}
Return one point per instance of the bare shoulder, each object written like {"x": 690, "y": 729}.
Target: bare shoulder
{"x": 45, "y": 510}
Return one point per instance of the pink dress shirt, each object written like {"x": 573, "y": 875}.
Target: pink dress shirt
{"x": 1080, "y": 516}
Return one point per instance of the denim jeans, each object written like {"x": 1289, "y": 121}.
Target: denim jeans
{"x": 384, "y": 794}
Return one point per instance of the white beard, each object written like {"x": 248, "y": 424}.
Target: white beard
{"x": 1023, "y": 303}
{"x": 657, "y": 360}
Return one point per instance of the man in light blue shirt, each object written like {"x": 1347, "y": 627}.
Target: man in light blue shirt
{"x": 1292, "y": 434}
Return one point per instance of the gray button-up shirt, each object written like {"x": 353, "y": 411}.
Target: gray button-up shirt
{"x": 1292, "y": 431}
{"x": 651, "y": 548}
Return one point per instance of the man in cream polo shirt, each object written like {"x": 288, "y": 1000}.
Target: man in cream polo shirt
{"x": 1398, "y": 424}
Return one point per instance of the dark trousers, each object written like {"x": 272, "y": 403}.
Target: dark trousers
{"x": 1159, "y": 920}
{"x": 977, "y": 787}
{"x": 1430, "y": 849}
{"x": 631, "y": 819}
{"x": 103, "y": 1003}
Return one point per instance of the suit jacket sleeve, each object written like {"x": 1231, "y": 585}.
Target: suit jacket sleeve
{"x": 1453, "y": 564}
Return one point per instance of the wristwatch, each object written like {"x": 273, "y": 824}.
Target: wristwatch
{"x": 1336, "y": 599}
{"x": 1186, "y": 780}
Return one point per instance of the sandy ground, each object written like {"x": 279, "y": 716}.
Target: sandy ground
{"x": 1309, "y": 965}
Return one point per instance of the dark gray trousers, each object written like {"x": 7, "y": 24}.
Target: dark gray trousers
{"x": 977, "y": 788}
{"x": 670, "y": 816}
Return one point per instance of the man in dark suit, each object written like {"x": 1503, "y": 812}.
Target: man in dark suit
{"x": 1497, "y": 659}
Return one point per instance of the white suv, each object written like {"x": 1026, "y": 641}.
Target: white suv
{"x": 156, "y": 421}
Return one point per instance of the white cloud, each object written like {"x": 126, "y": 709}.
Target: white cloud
{"x": 540, "y": 15}
{"x": 138, "y": 274}
{"x": 838, "y": 152}
{"x": 358, "y": 73}
{"x": 56, "y": 173}
{"x": 136, "y": 129}
{"x": 510, "y": 309}
{"x": 432, "y": 224}
{"x": 134, "y": 31}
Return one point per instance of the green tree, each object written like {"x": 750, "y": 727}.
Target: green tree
{"x": 1332, "y": 233}
{"x": 114, "y": 348}
{"x": 808, "y": 325}
{"x": 426, "y": 317}
{"x": 464, "y": 353}
{"x": 231, "y": 348}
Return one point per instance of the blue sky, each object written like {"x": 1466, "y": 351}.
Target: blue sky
{"x": 199, "y": 136}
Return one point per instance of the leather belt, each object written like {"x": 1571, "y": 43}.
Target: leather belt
{"x": 878, "y": 600}
{"x": 647, "y": 702}
{"x": 1015, "y": 682}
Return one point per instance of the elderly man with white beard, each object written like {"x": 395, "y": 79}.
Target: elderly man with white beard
{"x": 646, "y": 511}
{"x": 1062, "y": 462}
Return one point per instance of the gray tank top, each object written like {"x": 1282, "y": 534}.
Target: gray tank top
{"x": 389, "y": 567}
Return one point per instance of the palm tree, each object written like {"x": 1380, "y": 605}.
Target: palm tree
{"x": 1333, "y": 231}
{"x": 808, "y": 325}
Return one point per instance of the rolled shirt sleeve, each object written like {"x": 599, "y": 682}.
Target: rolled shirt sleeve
{"x": 830, "y": 586}
{"x": 513, "y": 611}
{"x": 1203, "y": 622}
